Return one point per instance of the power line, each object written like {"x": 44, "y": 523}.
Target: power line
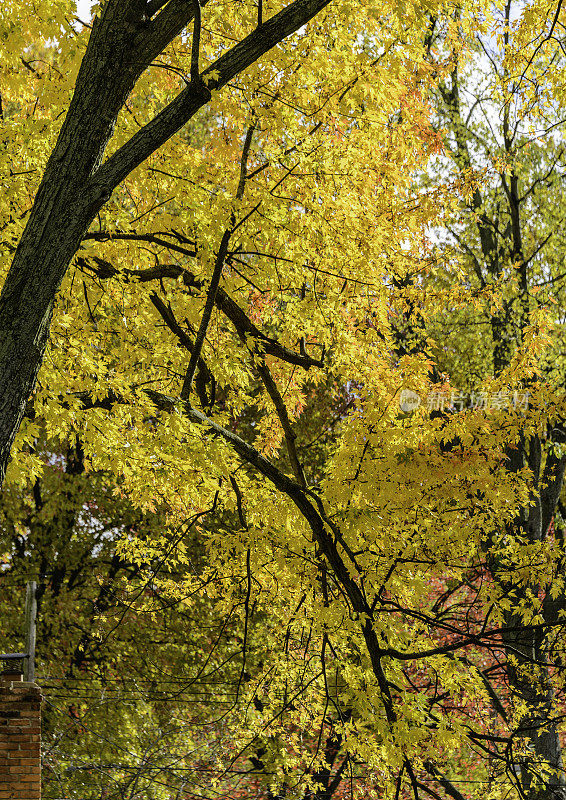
{"x": 137, "y": 680}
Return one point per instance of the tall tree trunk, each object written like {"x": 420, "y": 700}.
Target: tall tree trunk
{"x": 499, "y": 247}
{"x": 540, "y": 767}
{"x": 63, "y": 210}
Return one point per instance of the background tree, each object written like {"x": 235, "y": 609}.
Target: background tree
{"x": 504, "y": 136}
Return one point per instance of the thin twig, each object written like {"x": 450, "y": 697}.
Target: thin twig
{"x": 281, "y": 409}
{"x": 217, "y": 272}
{"x": 204, "y": 373}
{"x": 239, "y": 503}
{"x": 246, "y": 624}
{"x": 244, "y": 161}
{"x": 207, "y": 313}
{"x": 195, "y": 72}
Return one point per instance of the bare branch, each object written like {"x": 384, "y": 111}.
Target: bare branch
{"x": 239, "y": 502}
{"x": 448, "y": 787}
{"x": 153, "y": 6}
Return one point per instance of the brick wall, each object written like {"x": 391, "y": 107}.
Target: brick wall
{"x": 20, "y": 740}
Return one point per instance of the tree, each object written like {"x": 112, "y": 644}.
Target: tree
{"x": 216, "y": 313}
{"x": 509, "y": 232}
{"x": 126, "y": 38}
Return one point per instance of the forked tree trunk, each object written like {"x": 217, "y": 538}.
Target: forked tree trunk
{"x": 64, "y": 208}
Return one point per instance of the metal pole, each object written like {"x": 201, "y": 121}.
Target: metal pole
{"x": 31, "y": 614}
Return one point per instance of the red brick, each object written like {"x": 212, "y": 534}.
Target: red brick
{"x": 20, "y": 740}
